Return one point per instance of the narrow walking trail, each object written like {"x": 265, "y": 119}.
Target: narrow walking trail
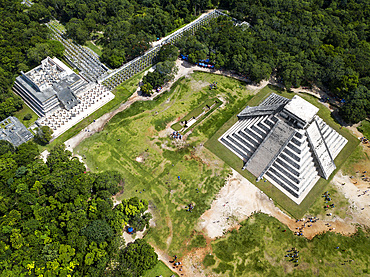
{"x": 185, "y": 69}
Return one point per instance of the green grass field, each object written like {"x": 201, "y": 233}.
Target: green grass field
{"x": 96, "y": 49}
{"x": 140, "y": 131}
{"x": 364, "y": 128}
{"x": 160, "y": 270}
{"x": 26, "y": 110}
{"x": 135, "y": 144}
{"x": 259, "y": 246}
{"x": 122, "y": 93}
{"x": 197, "y": 111}
{"x": 58, "y": 25}
{"x": 280, "y": 198}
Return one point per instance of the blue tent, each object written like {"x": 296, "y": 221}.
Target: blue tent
{"x": 130, "y": 229}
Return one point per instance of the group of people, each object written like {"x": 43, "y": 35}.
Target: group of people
{"x": 309, "y": 221}
{"x": 364, "y": 140}
{"x": 177, "y": 265}
{"x": 293, "y": 254}
{"x": 328, "y": 205}
{"x": 176, "y": 135}
{"x": 189, "y": 208}
{"x": 213, "y": 85}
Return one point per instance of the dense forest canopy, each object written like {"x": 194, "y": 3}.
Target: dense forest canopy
{"x": 323, "y": 43}
{"x": 23, "y": 44}
{"x": 56, "y": 219}
{"x": 127, "y": 26}
{"x": 125, "y": 29}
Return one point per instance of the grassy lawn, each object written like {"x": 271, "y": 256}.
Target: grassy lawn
{"x": 96, "y": 49}
{"x": 26, "y": 110}
{"x": 59, "y": 26}
{"x": 155, "y": 175}
{"x": 259, "y": 247}
{"x": 280, "y": 198}
{"x": 160, "y": 270}
{"x": 364, "y": 128}
{"x": 197, "y": 111}
{"x": 122, "y": 93}
{"x": 171, "y": 177}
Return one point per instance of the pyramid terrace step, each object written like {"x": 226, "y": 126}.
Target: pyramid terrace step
{"x": 246, "y": 143}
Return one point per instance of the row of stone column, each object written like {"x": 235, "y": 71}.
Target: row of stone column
{"x": 87, "y": 62}
{"x": 131, "y": 68}
{"x": 149, "y": 58}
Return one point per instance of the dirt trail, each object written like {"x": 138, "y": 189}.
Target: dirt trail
{"x": 164, "y": 257}
{"x": 99, "y": 123}
{"x": 185, "y": 69}
{"x": 239, "y": 198}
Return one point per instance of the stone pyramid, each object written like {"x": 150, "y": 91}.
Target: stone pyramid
{"x": 285, "y": 142}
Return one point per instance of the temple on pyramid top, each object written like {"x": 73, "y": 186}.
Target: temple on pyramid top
{"x": 285, "y": 142}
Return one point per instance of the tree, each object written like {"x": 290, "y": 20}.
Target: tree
{"x": 353, "y": 112}
{"x": 357, "y": 105}
{"x": 260, "y": 71}
{"x": 38, "y": 53}
{"x": 9, "y": 107}
{"x": 77, "y": 30}
{"x": 165, "y": 68}
{"x": 26, "y": 153}
{"x": 147, "y": 88}
{"x": 113, "y": 57}
{"x": 56, "y": 48}
{"x": 38, "y": 12}
{"x": 168, "y": 52}
{"x": 108, "y": 180}
{"x": 27, "y": 117}
{"x": 346, "y": 85}
{"x": 138, "y": 221}
{"x": 154, "y": 78}
{"x": 135, "y": 259}
{"x": 5, "y": 147}
{"x": 98, "y": 231}
{"x": 58, "y": 155}
{"x": 43, "y": 135}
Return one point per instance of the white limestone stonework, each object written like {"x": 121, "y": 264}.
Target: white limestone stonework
{"x": 289, "y": 146}
{"x": 90, "y": 100}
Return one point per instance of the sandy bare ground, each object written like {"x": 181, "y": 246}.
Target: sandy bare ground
{"x": 239, "y": 199}
{"x": 358, "y": 196}
{"x": 44, "y": 155}
{"x": 131, "y": 238}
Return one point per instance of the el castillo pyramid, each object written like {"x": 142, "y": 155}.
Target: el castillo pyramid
{"x": 285, "y": 142}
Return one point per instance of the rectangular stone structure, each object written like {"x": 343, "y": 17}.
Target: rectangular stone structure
{"x": 270, "y": 148}
{"x": 12, "y": 130}
{"x": 293, "y": 161}
{"x": 320, "y": 149}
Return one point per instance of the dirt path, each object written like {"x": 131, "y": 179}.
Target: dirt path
{"x": 239, "y": 198}
{"x": 185, "y": 69}
{"x": 99, "y": 123}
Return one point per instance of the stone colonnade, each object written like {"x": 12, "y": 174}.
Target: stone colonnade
{"x": 149, "y": 58}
